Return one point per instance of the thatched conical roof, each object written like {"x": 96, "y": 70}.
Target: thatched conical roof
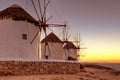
{"x": 51, "y": 38}
{"x": 17, "y": 13}
{"x": 69, "y": 45}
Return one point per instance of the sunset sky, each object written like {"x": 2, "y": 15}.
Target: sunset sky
{"x": 97, "y": 21}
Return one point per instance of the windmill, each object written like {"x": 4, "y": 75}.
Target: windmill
{"x": 78, "y": 44}
{"x": 43, "y": 20}
{"x": 69, "y": 47}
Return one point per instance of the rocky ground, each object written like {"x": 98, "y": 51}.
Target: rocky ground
{"x": 90, "y": 72}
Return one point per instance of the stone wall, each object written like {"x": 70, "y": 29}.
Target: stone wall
{"x": 36, "y": 68}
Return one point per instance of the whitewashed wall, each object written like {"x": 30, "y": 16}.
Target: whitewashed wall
{"x": 56, "y": 50}
{"x": 72, "y": 53}
{"x": 11, "y": 43}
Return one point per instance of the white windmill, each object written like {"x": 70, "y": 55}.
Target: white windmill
{"x": 43, "y": 22}
{"x": 17, "y": 28}
{"x": 79, "y": 46}
{"x": 70, "y": 49}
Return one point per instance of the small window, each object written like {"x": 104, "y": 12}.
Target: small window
{"x": 46, "y": 44}
{"x": 24, "y": 36}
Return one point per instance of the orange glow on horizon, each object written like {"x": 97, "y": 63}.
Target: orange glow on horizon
{"x": 101, "y": 58}
{"x": 102, "y": 51}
